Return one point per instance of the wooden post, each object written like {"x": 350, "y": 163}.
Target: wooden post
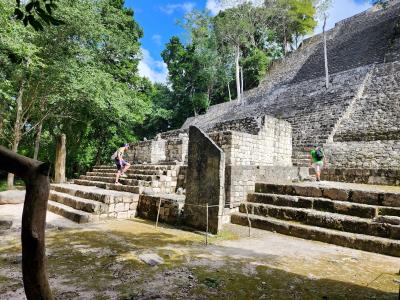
{"x": 158, "y": 212}
{"x": 248, "y": 218}
{"x": 61, "y": 154}
{"x": 36, "y": 177}
{"x": 207, "y": 224}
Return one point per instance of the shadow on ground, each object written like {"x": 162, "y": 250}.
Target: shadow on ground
{"x": 104, "y": 264}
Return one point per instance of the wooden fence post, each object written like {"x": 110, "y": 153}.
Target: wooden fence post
{"x": 36, "y": 177}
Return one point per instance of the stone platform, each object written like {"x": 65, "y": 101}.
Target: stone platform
{"x": 94, "y": 196}
{"x": 363, "y": 217}
{"x": 84, "y": 204}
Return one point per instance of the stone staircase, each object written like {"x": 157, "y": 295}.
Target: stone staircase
{"x": 140, "y": 178}
{"x": 355, "y": 218}
{"x": 94, "y": 196}
{"x": 84, "y": 204}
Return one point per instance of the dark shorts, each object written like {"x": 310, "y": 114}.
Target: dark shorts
{"x": 120, "y": 166}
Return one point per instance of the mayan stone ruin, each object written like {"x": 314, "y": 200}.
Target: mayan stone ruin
{"x": 249, "y": 161}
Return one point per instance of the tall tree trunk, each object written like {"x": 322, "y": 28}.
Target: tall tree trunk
{"x": 37, "y": 140}
{"x": 284, "y": 40}
{"x": 241, "y": 83}
{"x": 238, "y": 89}
{"x": 2, "y": 109}
{"x": 325, "y": 54}
{"x": 229, "y": 92}
{"x": 36, "y": 177}
{"x": 17, "y": 132}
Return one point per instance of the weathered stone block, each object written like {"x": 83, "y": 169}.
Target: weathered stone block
{"x": 336, "y": 194}
{"x": 119, "y": 207}
{"x": 391, "y": 200}
{"x": 205, "y": 182}
{"x": 365, "y": 197}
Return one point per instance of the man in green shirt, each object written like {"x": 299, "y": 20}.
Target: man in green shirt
{"x": 317, "y": 160}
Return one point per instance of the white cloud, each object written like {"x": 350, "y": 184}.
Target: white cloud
{"x": 215, "y": 6}
{"x": 155, "y": 70}
{"x": 156, "y": 39}
{"x": 342, "y": 9}
{"x": 169, "y": 9}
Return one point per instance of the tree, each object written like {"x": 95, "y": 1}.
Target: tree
{"x": 291, "y": 19}
{"x": 322, "y": 9}
{"x": 234, "y": 30}
{"x": 80, "y": 79}
{"x": 202, "y": 37}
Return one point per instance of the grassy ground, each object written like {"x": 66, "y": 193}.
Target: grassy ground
{"x": 3, "y": 184}
{"x": 102, "y": 262}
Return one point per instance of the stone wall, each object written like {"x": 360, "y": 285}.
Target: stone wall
{"x": 253, "y": 156}
{"x": 366, "y": 176}
{"x": 170, "y": 212}
{"x": 376, "y": 115}
{"x": 241, "y": 180}
{"x": 368, "y": 136}
{"x": 369, "y": 155}
{"x": 176, "y": 149}
{"x": 272, "y": 145}
{"x": 151, "y": 151}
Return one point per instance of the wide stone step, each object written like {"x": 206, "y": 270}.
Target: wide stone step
{"x": 95, "y": 193}
{"x": 350, "y": 195}
{"x": 321, "y": 204}
{"x": 78, "y": 203}
{"x": 130, "y": 175}
{"x": 110, "y": 186}
{"x": 351, "y": 240}
{"x": 141, "y": 167}
{"x": 70, "y": 213}
{"x": 135, "y": 171}
{"x": 125, "y": 181}
{"x": 325, "y": 219}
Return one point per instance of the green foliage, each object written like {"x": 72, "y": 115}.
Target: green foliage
{"x": 162, "y": 114}
{"x": 36, "y": 13}
{"x": 255, "y": 67}
{"x": 80, "y": 79}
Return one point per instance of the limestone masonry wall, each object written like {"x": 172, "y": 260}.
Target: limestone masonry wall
{"x": 271, "y": 146}
{"x": 176, "y": 149}
{"x": 152, "y": 151}
{"x": 170, "y": 210}
{"x": 241, "y": 180}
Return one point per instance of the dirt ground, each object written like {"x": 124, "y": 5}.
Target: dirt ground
{"x": 103, "y": 261}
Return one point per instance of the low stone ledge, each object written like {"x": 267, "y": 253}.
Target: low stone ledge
{"x": 170, "y": 211}
{"x": 367, "y": 176}
{"x": 12, "y": 197}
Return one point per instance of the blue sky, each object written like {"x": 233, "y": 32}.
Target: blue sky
{"x": 158, "y": 20}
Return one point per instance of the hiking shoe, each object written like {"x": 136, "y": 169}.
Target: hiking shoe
{"x": 123, "y": 176}
{"x": 117, "y": 183}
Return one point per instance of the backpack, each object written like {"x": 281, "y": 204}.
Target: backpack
{"x": 319, "y": 155}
